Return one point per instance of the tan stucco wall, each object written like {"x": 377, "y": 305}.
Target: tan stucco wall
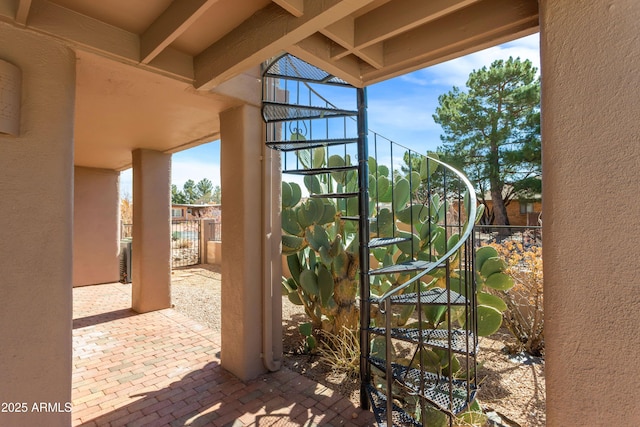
{"x": 590, "y": 52}
{"x": 36, "y": 184}
{"x": 95, "y": 226}
{"x": 151, "y": 246}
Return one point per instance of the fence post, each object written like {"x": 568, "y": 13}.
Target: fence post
{"x": 203, "y": 240}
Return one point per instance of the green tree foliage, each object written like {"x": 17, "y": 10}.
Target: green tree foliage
{"x": 204, "y": 189}
{"x": 192, "y": 193}
{"x": 492, "y": 132}
{"x": 177, "y": 196}
{"x": 216, "y": 197}
{"x": 189, "y": 191}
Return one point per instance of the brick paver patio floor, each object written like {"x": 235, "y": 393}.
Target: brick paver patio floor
{"x": 163, "y": 369}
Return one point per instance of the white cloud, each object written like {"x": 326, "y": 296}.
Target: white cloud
{"x": 456, "y": 71}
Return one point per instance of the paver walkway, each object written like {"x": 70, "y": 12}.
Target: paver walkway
{"x": 163, "y": 369}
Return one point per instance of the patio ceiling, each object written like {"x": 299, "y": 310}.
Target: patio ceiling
{"x": 156, "y": 74}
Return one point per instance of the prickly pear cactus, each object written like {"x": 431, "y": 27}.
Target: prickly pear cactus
{"x": 322, "y": 252}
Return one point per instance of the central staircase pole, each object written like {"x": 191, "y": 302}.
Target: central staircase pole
{"x": 363, "y": 212}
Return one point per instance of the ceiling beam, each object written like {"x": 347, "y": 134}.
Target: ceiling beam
{"x": 265, "y": 34}
{"x": 95, "y": 36}
{"x": 22, "y": 14}
{"x": 294, "y": 7}
{"x": 316, "y": 50}
{"x": 400, "y": 16}
{"x": 371, "y": 75}
{"x": 174, "y": 21}
{"x": 483, "y": 25}
{"x": 463, "y": 27}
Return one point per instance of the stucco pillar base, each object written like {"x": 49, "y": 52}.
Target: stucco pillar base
{"x": 151, "y": 246}
{"x": 241, "y": 177}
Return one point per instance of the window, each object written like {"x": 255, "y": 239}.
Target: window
{"x": 176, "y": 213}
{"x": 526, "y": 208}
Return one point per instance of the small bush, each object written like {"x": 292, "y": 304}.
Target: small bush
{"x": 524, "y": 316}
{"x": 184, "y": 243}
{"x": 175, "y": 236}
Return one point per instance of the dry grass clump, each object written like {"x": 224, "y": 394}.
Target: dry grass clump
{"x": 341, "y": 352}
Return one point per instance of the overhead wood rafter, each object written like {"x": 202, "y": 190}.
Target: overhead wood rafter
{"x": 361, "y": 41}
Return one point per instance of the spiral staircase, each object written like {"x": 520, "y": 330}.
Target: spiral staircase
{"x": 413, "y": 216}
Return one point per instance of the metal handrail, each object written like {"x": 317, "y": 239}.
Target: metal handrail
{"x": 463, "y": 238}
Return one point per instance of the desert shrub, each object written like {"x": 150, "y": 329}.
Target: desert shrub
{"x": 524, "y": 316}
{"x": 184, "y": 244}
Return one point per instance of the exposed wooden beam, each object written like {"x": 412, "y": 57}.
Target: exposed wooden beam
{"x": 373, "y": 55}
{"x": 294, "y": 7}
{"x": 399, "y": 16}
{"x": 174, "y": 21}
{"x": 96, "y": 36}
{"x": 461, "y": 28}
{"x": 342, "y": 32}
{"x": 371, "y": 75}
{"x": 265, "y": 34}
{"x": 22, "y": 14}
{"x": 471, "y": 30}
{"x": 316, "y": 50}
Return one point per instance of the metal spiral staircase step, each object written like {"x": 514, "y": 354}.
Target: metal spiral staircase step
{"x": 386, "y": 241}
{"x": 436, "y": 296}
{"x": 280, "y": 112}
{"x": 407, "y": 267}
{"x": 319, "y": 171}
{"x": 462, "y": 341}
{"x": 291, "y": 68}
{"x": 334, "y": 195}
{"x": 287, "y": 146}
{"x": 438, "y": 390}
{"x": 379, "y": 405}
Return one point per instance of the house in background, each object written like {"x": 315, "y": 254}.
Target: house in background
{"x": 522, "y": 212}
{"x": 93, "y": 88}
{"x": 190, "y": 212}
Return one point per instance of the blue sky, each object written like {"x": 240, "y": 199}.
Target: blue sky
{"x": 400, "y": 109}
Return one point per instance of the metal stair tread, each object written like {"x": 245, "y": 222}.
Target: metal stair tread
{"x": 292, "y": 68}
{"x": 436, "y": 389}
{"x": 387, "y": 241}
{"x": 435, "y": 296}
{"x": 281, "y": 112}
{"x": 462, "y": 341}
{"x": 312, "y": 143}
{"x": 406, "y": 267}
{"x": 345, "y": 195}
{"x": 318, "y": 171}
{"x": 379, "y": 405}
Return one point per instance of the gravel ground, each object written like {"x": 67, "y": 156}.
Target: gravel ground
{"x": 515, "y": 390}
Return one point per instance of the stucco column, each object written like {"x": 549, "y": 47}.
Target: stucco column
{"x": 242, "y": 241}
{"x": 36, "y": 184}
{"x": 590, "y": 52}
{"x": 151, "y": 246}
{"x": 95, "y": 226}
